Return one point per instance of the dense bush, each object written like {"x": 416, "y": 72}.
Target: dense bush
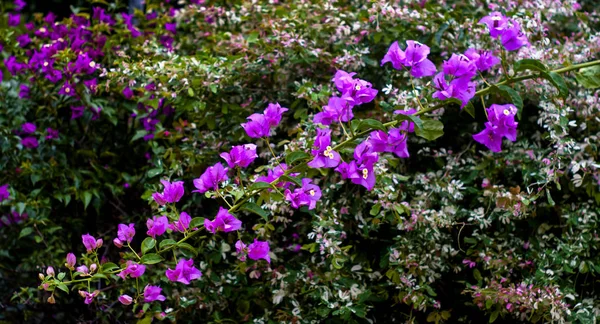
{"x": 220, "y": 161}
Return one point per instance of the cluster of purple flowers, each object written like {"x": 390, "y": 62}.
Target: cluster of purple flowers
{"x": 12, "y": 218}
{"x": 27, "y": 134}
{"x": 255, "y": 250}
{"x": 224, "y": 222}
{"x": 354, "y": 92}
{"x": 307, "y": 195}
{"x": 260, "y": 125}
{"x": 501, "y": 123}
{"x": 509, "y": 31}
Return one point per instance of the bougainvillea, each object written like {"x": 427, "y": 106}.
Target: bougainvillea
{"x": 301, "y": 161}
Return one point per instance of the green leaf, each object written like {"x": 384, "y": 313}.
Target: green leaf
{"x": 154, "y": 172}
{"x": 530, "y": 64}
{"x": 470, "y": 109}
{"x": 415, "y": 119}
{"x": 375, "y": 210}
{"x": 148, "y": 244}
{"x": 151, "y": 258}
{"x": 108, "y": 266}
{"x": 20, "y": 208}
{"x": 260, "y": 186}
{"x": 63, "y": 287}
{"x": 440, "y": 32}
{"x": 87, "y": 198}
{"x": 195, "y": 223}
{"x": 99, "y": 276}
{"x": 477, "y": 275}
{"x": 550, "y": 200}
{"x": 168, "y": 242}
{"x": 295, "y": 180}
{"x": 61, "y": 275}
{"x": 558, "y": 82}
{"x": 494, "y": 316}
{"x": 431, "y": 130}
{"x": 295, "y": 156}
{"x": 489, "y": 303}
{"x": 589, "y": 77}
{"x": 25, "y": 231}
{"x": 366, "y": 124}
{"x": 254, "y": 208}
{"x": 187, "y": 247}
{"x": 514, "y": 96}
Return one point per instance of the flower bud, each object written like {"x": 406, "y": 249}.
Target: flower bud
{"x": 160, "y": 316}
{"x": 71, "y": 260}
{"x": 125, "y": 299}
{"x": 51, "y": 300}
{"x": 82, "y": 293}
{"x": 50, "y": 271}
{"x": 99, "y": 243}
{"x": 93, "y": 267}
{"x": 118, "y": 243}
{"x": 46, "y": 286}
{"x": 41, "y": 276}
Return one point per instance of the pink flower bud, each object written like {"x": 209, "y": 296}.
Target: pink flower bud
{"x": 125, "y": 299}
{"x": 50, "y": 271}
{"x": 51, "y": 300}
{"x": 93, "y": 267}
{"x": 71, "y": 260}
{"x": 118, "y": 242}
{"x": 99, "y": 243}
{"x": 41, "y": 276}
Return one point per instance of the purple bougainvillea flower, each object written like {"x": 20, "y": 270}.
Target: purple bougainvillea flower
{"x": 211, "y": 178}
{"x": 414, "y": 57}
{"x": 152, "y": 293}
{"x": 172, "y": 192}
{"x": 182, "y": 224}
{"x": 484, "y": 60}
{"x": 513, "y": 37}
{"x": 240, "y": 155}
{"x": 128, "y": 93}
{"x": 91, "y": 84}
{"x": 397, "y": 143}
{"x": 257, "y": 126}
{"x": 77, "y": 112}
{"x": 308, "y": 195}
{"x": 23, "y": 40}
{"x": 67, "y": 89}
{"x": 343, "y": 80}
{"x": 71, "y": 260}
{"x": 362, "y": 174}
{"x": 125, "y": 233}
{"x": 274, "y": 174}
{"x": 324, "y": 155}
{"x": 51, "y": 133}
{"x": 172, "y": 27}
{"x": 379, "y": 141}
{"x": 460, "y": 66}
{"x": 157, "y": 226}
{"x": 460, "y": 88}
{"x": 364, "y": 153}
{"x": 4, "y": 193}
{"x": 89, "y": 298}
{"x": 90, "y": 242}
{"x": 83, "y": 269}
{"x": 125, "y": 299}
{"x": 336, "y": 110}
{"x": 28, "y": 128}
{"x": 273, "y": 114}
{"x": 354, "y": 91}
{"x": 23, "y": 91}
{"x": 496, "y": 23}
{"x": 29, "y": 142}
{"x": 54, "y": 75}
{"x": 14, "y": 19}
{"x": 224, "y": 222}
{"x": 19, "y": 5}
{"x": 259, "y": 250}
{"x": 13, "y": 66}
{"x": 501, "y": 123}
{"x": 132, "y": 270}
{"x": 184, "y": 272}
{"x": 241, "y": 250}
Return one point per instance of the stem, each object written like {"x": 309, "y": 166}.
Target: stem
{"x": 273, "y": 153}
{"x": 132, "y": 250}
{"x": 344, "y": 129}
{"x": 225, "y": 200}
{"x": 240, "y": 178}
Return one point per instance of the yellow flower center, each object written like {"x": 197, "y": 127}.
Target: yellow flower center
{"x": 311, "y": 192}
{"x": 67, "y": 90}
{"x": 506, "y": 112}
{"x": 43, "y": 30}
{"x": 45, "y": 63}
{"x": 357, "y": 88}
{"x": 365, "y": 173}
{"x": 92, "y": 64}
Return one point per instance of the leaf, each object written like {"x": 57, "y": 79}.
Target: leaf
{"x": 470, "y": 109}
{"x": 431, "y": 130}
{"x": 148, "y": 244}
{"x": 25, "y": 231}
{"x": 187, "y": 247}
{"x": 168, "y": 242}
{"x": 530, "y": 64}
{"x": 494, "y": 316}
{"x": 63, "y": 287}
{"x": 370, "y": 124}
{"x": 477, "y": 275}
{"x": 295, "y": 180}
{"x": 440, "y": 32}
{"x": 260, "y": 186}
{"x": 550, "y": 200}
{"x": 99, "y": 275}
{"x": 151, "y": 258}
{"x": 514, "y": 96}
{"x": 415, "y": 119}
{"x": 195, "y": 223}
{"x": 108, "y": 266}
{"x": 254, "y": 208}
{"x": 87, "y": 197}
{"x": 589, "y": 77}
{"x": 295, "y": 156}
{"x": 558, "y": 82}
{"x": 61, "y": 275}
{"x": 154, "y": 172}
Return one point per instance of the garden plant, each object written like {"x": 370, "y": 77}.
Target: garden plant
{"x": 300, "y": 162}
